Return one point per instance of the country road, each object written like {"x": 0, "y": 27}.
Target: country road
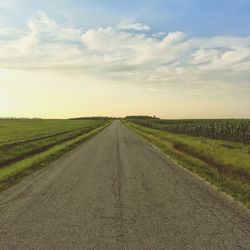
{"x": 116, "y": 191}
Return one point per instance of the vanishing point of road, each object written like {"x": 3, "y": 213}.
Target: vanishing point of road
{"x": 116, "y": 191}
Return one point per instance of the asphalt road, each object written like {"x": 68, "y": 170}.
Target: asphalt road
{"x": 116, "y": 191}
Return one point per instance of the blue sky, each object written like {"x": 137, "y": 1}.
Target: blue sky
{"x": 195, "y": 17}
{"x": 184, "y": 59}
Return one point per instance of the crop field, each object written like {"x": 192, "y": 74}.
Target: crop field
{"x": 21, "y": 130}
{"x": 222, "y": 162}
{"x": 237, "y": 130}
{"x": 23, "y": 139}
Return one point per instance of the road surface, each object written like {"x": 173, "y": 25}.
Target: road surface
{"x": 116, "y": 191}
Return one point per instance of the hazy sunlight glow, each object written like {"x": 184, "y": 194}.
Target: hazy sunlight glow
{"x": 50, "y": 67}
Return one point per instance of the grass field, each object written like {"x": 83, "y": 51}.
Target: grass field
{"x": 223, "y": 163}
{"x": 25, "y": 143}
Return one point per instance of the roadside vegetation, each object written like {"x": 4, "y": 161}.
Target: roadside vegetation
{"x": 223, "y": 163}
{"x": 26, "y": 145}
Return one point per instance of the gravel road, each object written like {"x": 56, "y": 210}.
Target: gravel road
{"x": 116, "y": 191}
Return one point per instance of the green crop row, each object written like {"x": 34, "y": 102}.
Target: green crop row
{"x": 24, "y": 138}
{"x": 20, "y": 130}
{"x": 237, "y": 130}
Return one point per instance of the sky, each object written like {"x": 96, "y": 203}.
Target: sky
{"x": 169, "y": 58}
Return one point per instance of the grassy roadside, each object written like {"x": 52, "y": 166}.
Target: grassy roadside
{"x": 222, "y": 163}
{"x": 13, "y": 173}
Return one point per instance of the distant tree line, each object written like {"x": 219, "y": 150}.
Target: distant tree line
{"x": 141, "y": 117}
{"x": 94, "y": 118}
{"x": 20, "y": 118}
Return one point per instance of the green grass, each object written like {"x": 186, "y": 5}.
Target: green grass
{"x": 22, "y": 138}
{"x": 223, "y": 163}
{"x": 13, "y": 173}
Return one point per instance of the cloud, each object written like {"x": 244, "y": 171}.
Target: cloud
{"x": 135, "y": 27}
{"x": 127, "y": 53}
{"x": 7, "y": 2}
{"x": 205, "y": 56}
{"x": 172, "y": 38}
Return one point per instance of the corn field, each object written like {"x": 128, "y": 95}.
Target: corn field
{"x": 237, "y": 130}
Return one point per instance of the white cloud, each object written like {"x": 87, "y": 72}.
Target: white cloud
{"x": 128, "y": 53}
{"x": 135, "y": 27}
{"x": 7, "y": 2}
{"x": 172, "y": 38}
{"x": 205, "y": 56}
